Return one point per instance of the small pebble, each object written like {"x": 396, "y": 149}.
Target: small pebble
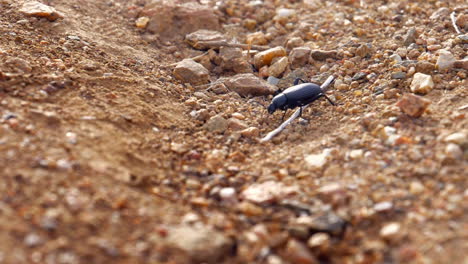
{"x": 422, "y": 83}
{"x": 318, "y": 160}
{"x": 390, "y": 231}
{"x": 396, "y": 58}
{"x": 319, "y": 240}
{"x": 416, "y": 187}
{"x": 265, "y": 57}
{"x": 413, "y": 105}
{"x": 383, "y": 206}
{"x": 399, "y": 75}
{"x": 142, "y": 22}
{"x": 445, "y": 61}
{"x": 454, "y": 151}
{"x": 458, "y": 138}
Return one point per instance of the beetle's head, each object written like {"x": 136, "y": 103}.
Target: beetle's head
{"x": 271, "y": 108}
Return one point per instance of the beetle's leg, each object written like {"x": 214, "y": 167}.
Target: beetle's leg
{"x": 300, "y": 111}
{"x": 296, "y": 81}
{"x": 329, "y": 100}
{"x": 282, "y": 119}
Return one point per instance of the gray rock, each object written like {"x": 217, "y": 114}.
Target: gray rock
{"x": 248, "y": 84}
{"x": 273, "y": 80}
{"x": 440, "y": 13}
{"x": 399, "y": 75}
{"x": 189, "y": 71}
{"x": 327, "y": 222}
{"x": 445, "y": 61}
{"x": 299, "y": 57}
{"x": 410, "y": 37}
{"x": 395, "y": 57}
{"x": 321, "y": 55}
{"x": 359, "y": 76}
{"x": 462, "y": 39}
{"x": 200, "y": 244}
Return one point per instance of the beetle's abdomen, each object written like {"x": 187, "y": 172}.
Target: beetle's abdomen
{"x": 302, "y": 93}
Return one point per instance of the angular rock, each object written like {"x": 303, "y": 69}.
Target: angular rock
{"x": 399, "y": 75}
{"x": 440, "y": 13}
{"x": 37, "y": 9}
{"x": 189, "y": 71}
{"x": 228, "y": 195}
{"x": 142, "y": 22}
{"x": 459, "y": 138}
{"x": 200, "y": 38}
{"x": 327, "y": 222}
{"x": 248, "y": 84}
{"x": 267, "y": 192}
{"x": 319, "y": 240}
{"x": 216, "y": 124}
{"x": 321, "y": 55}
{"x": 297, "y": 252}
{"x": 199, "y": 244}
{"x": 390, "y": 231}
{"x": 236, "y": 124}
{"x": 445, "y": 61}
{"x": 413, "y": 105}
{"x": 363, "y": 50}
{"x": 462, "y": 21}
{"x": 294, "y": 43}
{"x": 171, "y": 19}
{"x": 318, "y": 160}
{"x": 461, "y": 64}
{"x": 265, "y": 57}
{"x": 234, "y": 60}
{"x": 257, "y": 38}
{"x": 410, "y": 37}
{"x": 250, "y": 132}
{"x": 422, "y": 83}
{"x": 454, "y": 151}
{"x": 179, "y": 148}
{"x": 277, "y": 68}
{"x": 219, "y": 88}
{"x": 463, "y": 39}
{"x": 299, "y": 57}
{"x": 19, "y": 65}
{"x": 395, "y": 57}
{"x": 425, "y": 67}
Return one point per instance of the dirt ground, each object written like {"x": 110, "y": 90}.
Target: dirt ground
{"x": 101, "y": 160}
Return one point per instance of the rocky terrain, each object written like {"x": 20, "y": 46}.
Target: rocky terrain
{"x": 130, "y": 132}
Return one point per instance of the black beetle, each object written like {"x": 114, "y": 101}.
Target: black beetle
{"x": 298, "y": 95}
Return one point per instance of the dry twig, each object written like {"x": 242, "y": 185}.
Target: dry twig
{"x": 454, "y": 22}
{"x": 273, "y": 133}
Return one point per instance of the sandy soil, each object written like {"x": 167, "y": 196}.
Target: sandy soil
{"x": 101, "y": 160}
